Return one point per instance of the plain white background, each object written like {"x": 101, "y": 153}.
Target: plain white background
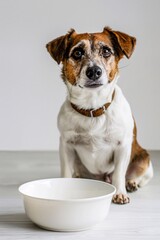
{"x": 31, "y": 90}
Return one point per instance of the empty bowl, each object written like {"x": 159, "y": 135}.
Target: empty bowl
{"x": 67, "y": 204}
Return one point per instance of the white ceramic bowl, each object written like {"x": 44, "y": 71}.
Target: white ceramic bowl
{"x": 67, "y": 204}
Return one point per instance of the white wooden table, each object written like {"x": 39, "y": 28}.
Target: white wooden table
{"x": 138, "y": 220}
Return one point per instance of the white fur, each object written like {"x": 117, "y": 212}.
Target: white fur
{"x": 95, "y": 140}
{"x": 87, "y": 98}
{"x": 144, "y": 179}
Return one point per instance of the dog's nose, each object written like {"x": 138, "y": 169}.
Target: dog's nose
{"x": 94, "y": 72}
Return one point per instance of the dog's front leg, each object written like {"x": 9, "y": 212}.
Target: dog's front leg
{"x": 121, "y": 160}
{"x": 67, "y": 157}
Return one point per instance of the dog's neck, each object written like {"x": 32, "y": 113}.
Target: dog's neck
{"x": 93, "y": 112}
{"x": 85, "y": 98}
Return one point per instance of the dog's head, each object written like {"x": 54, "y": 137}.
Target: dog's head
{"x": 91, "y": 60}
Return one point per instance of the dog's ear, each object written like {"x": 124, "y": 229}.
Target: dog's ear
{"x": 57, "y": 47}
{"x": 126, "y": 43}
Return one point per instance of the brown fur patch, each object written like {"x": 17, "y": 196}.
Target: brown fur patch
{"x": 139, "y": 158}
{"x": 124, "y": 43}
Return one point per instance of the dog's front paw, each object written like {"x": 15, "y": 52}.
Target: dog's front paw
{"x": 120, "y": 199}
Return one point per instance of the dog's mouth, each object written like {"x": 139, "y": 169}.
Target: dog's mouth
{"x": 94, "y": 85}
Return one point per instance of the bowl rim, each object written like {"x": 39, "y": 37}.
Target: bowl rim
{"x": 20, "y": 189}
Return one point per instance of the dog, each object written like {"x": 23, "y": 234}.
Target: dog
{"x": 98, "y": 135}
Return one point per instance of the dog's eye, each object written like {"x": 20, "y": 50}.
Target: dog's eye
{"x": 78, "y": 53}
{"x": 106, "y": 52}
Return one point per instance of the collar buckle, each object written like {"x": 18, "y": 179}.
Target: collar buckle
{"x": 91, "y": 113}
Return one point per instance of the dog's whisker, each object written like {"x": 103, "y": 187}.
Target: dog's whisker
{"x": 124, "y": 66}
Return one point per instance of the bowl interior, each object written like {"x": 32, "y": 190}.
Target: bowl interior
{"x": 66, "y": 189}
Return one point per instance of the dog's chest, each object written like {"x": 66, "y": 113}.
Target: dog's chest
{"x": 96, "y": 143}
{"x": 96, "y": 137}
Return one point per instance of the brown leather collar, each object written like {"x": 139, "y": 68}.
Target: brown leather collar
{"x": 91, "y": 112}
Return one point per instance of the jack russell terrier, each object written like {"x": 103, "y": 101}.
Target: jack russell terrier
{"x": 98, "y": 132}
